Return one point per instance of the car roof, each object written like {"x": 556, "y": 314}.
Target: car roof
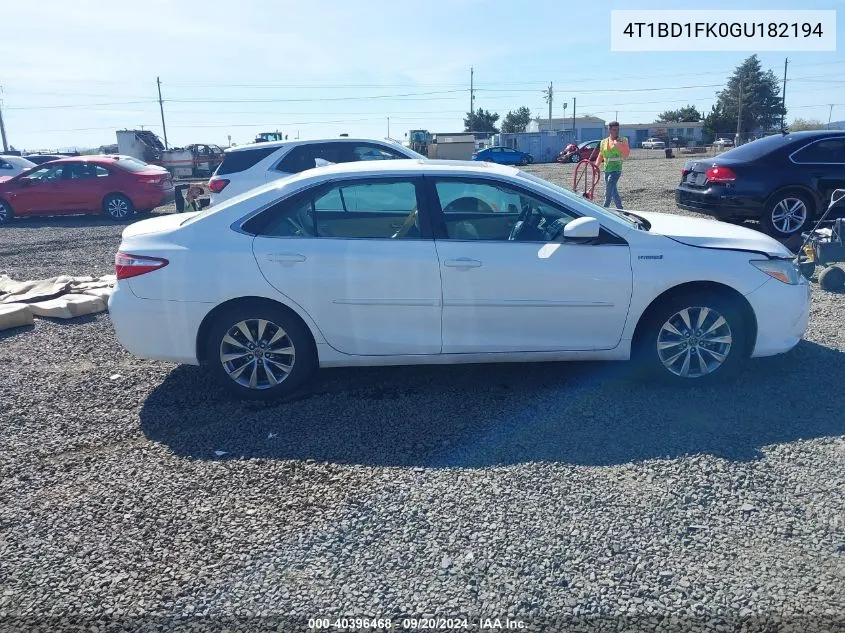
{"x": 278, "y": 144}
{"x": 399, "y": 166}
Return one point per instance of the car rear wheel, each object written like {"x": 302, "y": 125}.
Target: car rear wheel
{"x": 575, "y": 158}
{"x": 117, "y": 206}
{"x": 6, "y": 213}
{"x": 787, "y": 214}
{"x": 692, "y": 339}
{"x": 257, "y": 350}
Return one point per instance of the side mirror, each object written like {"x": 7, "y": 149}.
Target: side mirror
{"x": 582, "y": 229}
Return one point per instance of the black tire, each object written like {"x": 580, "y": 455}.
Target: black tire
{"x": 523, "y": 161}
{"x": 648, "y": 359}
{"x": 530, "y": 159}
{"x": 575, "y": 158}
{"x": 117, "y": 206}
{"x": 807, "y": 269}
{"x": 6, "y": 213}
{"x": 832, "y": 279}
{"x": 777, "y": 227}
{"x": 302, "y": 362}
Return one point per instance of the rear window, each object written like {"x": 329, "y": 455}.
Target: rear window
{"x": 131, "y": 165}
{"x": 240, "y": 160}
{"x": 757, "y": 149}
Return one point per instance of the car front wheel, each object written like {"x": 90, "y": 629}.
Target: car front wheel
{"x": 258, "y": 350}
{"x": 692, "y": 339}
{"x": 787, "y": 214}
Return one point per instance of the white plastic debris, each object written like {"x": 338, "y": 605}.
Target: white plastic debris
{"x": 114, "y": 376}
{"x": 271, "y": 435}
{"x": 220, "y": 453}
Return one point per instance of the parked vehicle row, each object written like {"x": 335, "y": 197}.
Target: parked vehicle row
{"x": 410, "y": 261}
{"x": 115, "y": 186}
{"x": 785, "y": 181}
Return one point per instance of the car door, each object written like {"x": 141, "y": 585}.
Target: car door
{"x": 79, "y": 187}
{"x": 823, "y": 164}
{"x": 40, "y": 192}
{"x": 512, "y": 284}
{"x": 359, "y": 258}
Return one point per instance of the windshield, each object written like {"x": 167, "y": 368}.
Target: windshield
{"x": 609, "y": 213}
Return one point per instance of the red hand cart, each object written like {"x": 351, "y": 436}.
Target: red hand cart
{"x": 586, "y": 177}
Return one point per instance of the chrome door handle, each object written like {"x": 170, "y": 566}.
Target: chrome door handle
{"x": 286, "y": 258}
{"x": 462, "y": 262}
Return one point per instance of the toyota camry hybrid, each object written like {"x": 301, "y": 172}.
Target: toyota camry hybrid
{"x": 418, "y": 262}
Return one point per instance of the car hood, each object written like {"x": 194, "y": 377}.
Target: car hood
{"x": 705, "y": 233}
{"x": 157, "y": 225}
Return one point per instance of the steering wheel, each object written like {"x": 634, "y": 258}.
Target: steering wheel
{"x": 521, "y": 221}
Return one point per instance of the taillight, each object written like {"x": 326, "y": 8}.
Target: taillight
{"x": 150, "y": 180}
{"x": 217, "y": 184}
{"x": 127, "y": 265}
{"x": 720, "y": 174}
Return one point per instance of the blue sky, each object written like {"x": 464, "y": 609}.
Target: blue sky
{"x": 74, "y": 72}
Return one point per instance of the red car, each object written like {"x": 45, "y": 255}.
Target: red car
{"x": 115, "y": 186}
{"x": 588, "y": 150}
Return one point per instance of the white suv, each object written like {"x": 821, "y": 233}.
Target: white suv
{"x": 246, "y": 167}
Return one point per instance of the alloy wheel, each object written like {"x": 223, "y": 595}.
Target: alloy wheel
{"x": 789, "y": 215}
{"x": 694, "y": 342}
{"x": 4, "y": 213}
{"x": 257, "y": 354}
{"x": 118, "y": 208}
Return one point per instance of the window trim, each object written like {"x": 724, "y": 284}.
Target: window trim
{"x": 438, "y": 218}
{"x": 818, "y": 140}
{"x": 317, "y": 189}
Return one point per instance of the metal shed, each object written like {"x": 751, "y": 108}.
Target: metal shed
{"x": 543, "y": 146}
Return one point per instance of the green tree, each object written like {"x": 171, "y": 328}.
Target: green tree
{"x": 481, "y": 121}
{"x": 806, "y": 124}
{"x": 762, "y": 107}
{"x": 516, "y": 121}
{"x": 687, "y": 114}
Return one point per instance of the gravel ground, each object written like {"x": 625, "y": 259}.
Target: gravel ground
{"x": 134, "y": 497}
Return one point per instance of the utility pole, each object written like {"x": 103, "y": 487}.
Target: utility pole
{"x": 783, "y": 100}
{"x": 471, "y": 98}
{"x": 550, "y": 95}
{"x": 573, "y": 120}
{"x": 2, "y": 127}
{"x": 830, "y": 114}
{"x": 388, "y": 127}
{"x": 161, "y": 107}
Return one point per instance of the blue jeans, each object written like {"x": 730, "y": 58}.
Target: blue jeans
{"x": 611, "y": 178}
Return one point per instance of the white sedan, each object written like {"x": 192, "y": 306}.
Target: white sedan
{"x": 416, "y": 262}
{"x": 11, "y": 166}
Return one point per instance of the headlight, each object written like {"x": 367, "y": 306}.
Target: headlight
{"x": 783, "y": 270}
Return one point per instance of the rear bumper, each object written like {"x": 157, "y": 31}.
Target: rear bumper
{"x": 718, "y": 202}
{"x": 783, "y": 313}
{"x": 154, "y": 329}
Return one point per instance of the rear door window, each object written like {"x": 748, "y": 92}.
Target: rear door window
{"x": 829, "y": 150}
{"x": 241, "y": 160}
{"x": 366, "y": 151}
{"x": 304, "y": 156}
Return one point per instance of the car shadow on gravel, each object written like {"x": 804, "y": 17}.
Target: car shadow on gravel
{"x": 484, "y": 415}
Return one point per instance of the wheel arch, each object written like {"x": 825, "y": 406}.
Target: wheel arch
{"x": 202, "y": 331}
{"x": 744, "y": 307}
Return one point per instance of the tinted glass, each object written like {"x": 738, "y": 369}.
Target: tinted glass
{"x": 756, "y": 149}
{"x": 380, "y": 210}
{"x": 131, "y": 165}
{"x": 303, "y": 157}
{"x": 234, "y": 162}
{"x": 830, "y": 150}
{"x": 487, "y": 211}
{"x": 78, "y": 171}
{"x": 47, "y": 173}
{"x": 373, "y": 152}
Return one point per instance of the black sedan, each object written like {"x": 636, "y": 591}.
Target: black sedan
{"x": 785, "y": 181}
